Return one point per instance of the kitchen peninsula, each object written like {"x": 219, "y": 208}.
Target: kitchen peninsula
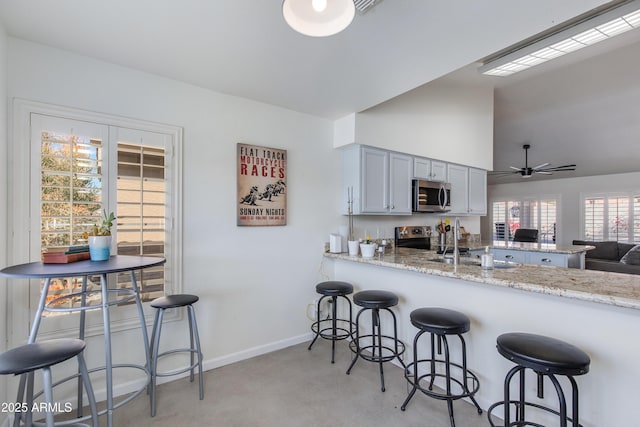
{"x": 596, "y": 311}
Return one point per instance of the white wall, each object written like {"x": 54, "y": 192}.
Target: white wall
{"x": 3, "y": 200}
{"x": 254, "y": 282}
{"x": 569, "y": 189}
{"x": 445, "y": 119}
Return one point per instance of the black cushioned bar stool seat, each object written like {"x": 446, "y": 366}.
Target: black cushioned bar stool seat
{"x": 161, "y": 304}
{"x": 43, "y": 355}
{"x": 333, "y": 328}
{"x": 439, "y": 323}
{"x": 547, "y": 357}
{"x": 375, "y": 299}
{"x": 376, "y": 347}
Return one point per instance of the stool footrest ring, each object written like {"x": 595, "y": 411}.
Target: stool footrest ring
{"x": 365, "y": 351}
{"x": 525, "y": 422}
{"x": 327, "y": 332}
{"x": 463, "y": 386}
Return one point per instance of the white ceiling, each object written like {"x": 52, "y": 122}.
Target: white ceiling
{"x": 245, "y": 48}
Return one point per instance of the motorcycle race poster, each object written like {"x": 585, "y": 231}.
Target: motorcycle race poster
{"x": 262, "y": 189}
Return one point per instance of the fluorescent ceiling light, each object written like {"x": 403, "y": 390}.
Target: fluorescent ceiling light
{"x": 318, "y": 18}
{"x": 585, "y": 33}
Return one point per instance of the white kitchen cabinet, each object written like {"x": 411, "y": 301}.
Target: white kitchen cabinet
{"x": 400, "y": 175}
{"x": 468, "y": 190}
{"x": 379, "y": 180}
{"x": 558, "y": 259}
{"x": 458, "y": 177}
{"x": 477, "y": 191}
{"x": 510, "y": 255}
{"x": 431, "y": 170}
{"x": 438, "y": 171}
{"x": 374, "y": 180}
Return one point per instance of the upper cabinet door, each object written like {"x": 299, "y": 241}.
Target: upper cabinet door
{"x": 438, "y": 171}
{"x": 458, "y": 178}
{"x": 421, "y": 168}
{"x": 400, "y": 174}
{"x": 477, "y": 191}
{"x": 375, "y": 180}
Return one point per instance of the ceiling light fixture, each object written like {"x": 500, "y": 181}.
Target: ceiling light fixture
{"x": 318, "y": 18}
{"x": 589, "y": 30}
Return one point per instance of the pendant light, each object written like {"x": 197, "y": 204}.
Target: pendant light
{"x": 318, "y": 18}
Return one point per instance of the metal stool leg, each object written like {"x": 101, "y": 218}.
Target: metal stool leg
{"x": 196, "y": 338}
{"x": 48, "y": 395}
{"x": 89, "y": 389}
{"x": 357, "y": 341}
{"x": 157, "y": 328}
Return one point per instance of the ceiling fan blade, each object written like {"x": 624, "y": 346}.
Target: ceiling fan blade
{"x": 541, "y": 166}
{"x": 515, "y": 168}
{"x": 560, "y": 168}
{"x": 564, "y": 166}
{"x": 544, "y": 172}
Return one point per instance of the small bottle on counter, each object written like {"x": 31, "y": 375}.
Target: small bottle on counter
{"x": 486, "y": 260}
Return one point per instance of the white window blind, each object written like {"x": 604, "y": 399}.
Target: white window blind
{"x": 613, "y": 216}
{"x": 141, "y": 212}
{"x": 540, "y": 214}
{"x": 618, "y": 221}
{"x": 594, "y": 218}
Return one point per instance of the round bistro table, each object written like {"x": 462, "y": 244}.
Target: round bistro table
{"x": 115, "y": 264}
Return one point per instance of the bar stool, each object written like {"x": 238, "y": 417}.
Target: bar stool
{"x": 441, "y": 322}
{"x": 371, "y": 347}
{"x": 43, "y": 355}
{"x": 162, "y": 304}
{"x": 337, "y": 329}
{"x": 547, "y": 357}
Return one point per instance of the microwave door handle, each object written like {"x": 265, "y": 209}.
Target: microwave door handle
{"x": 442, "y": 200}
{"x": 446, "y": 197}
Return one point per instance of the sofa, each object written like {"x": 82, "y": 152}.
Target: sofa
{"x": 616, "y": 257}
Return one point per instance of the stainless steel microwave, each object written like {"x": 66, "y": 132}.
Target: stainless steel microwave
{"x": 431, "y": 196}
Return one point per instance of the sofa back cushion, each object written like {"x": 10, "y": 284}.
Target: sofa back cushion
{"x": 632, "y": 257}
{"x": 603, "y": 250}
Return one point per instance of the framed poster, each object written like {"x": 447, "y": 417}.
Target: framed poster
{"x": 262, "y": 177}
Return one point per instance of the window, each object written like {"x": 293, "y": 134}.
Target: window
{"x": 614, "y": 216}
{"x": 540, "y": 214}
{"x": 82, "y": 163}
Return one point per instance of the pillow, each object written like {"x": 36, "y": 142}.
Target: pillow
{"x": 632, "y": 257}
{"x": 623, "y": 248}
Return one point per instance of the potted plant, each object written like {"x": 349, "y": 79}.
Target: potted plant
{"x": 99, "y": 238}
{"x": 368, "y": 248}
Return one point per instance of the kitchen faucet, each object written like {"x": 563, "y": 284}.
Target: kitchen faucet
{"x": 456, "y": 237}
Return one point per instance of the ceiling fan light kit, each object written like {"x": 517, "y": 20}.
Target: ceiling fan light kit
{"x": 318, "y": 18}
{"x": 528, "y": 172}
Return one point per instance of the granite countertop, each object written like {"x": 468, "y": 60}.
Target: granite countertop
{"x": 533, "y": 247}
{"x": 621, "y": 290}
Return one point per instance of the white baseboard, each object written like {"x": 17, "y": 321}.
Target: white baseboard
{"x": 208, "y": 364}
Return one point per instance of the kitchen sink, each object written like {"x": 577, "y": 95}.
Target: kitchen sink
{"x": 474, "y": 261}
{"x": 463, "y": 260}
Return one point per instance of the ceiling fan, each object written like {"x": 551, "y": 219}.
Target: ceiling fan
{"x": 528, "y": 172}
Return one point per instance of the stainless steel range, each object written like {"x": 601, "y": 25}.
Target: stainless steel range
{"x": 416, "y": 236}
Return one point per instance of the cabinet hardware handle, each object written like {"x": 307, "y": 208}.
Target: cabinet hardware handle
{"x": 545, "y": 260}
{"x": 509, "y": 256}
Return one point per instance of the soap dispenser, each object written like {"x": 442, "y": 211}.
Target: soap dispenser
{"x": 486, "y": 259}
